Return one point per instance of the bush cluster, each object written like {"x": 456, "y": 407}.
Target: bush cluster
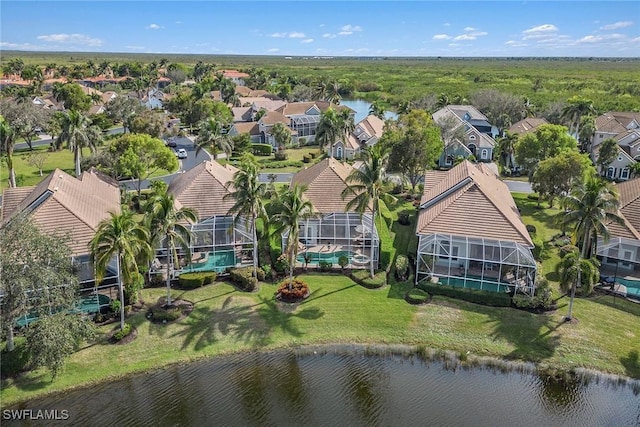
{"x": 566, "y": 250}
{"x": 278, "y": 164}
{"x": 161, "y": 314}
{"x": 362, "y": 277}
{"x": 281, "y": 154}
{"x": 122, "y": 333}
{"x": 281, "y": 263}
{"x": 156, "y": 281}
{"x": 531, "y": 228}
{"x": 402, "y": 267}
{"x": 306, "y": 159}
{"x": 403, "y": 219}
{"x": 313, "y": 155}
{"x": 243, "y": 277}
{"x": 538, "y": 247}
{"x": 299, "y": 290}
{"x": 325, "y": 265}
{"x": 261, "y": 149}
{"x": 416, "y": 296}
{"x": 343, "y": 261}
{"x": 494, "y": 299}
{"x": 196, "y": 279}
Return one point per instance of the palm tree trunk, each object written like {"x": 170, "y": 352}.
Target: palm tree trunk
{"x": 583, "y": 255}
{"x": 10, "y": 344}
{"x": 121, "y": 290}
{"x": 255, "y": 249}
{"x": 168, "y": 273}
{"x": 373, "y": 224}
{"x": 76, "y": 154}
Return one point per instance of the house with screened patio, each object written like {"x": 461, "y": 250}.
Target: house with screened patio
{"x": 334, "y": 231}
{"x": 217, "y": 242}
{"x": 471, "y": 234}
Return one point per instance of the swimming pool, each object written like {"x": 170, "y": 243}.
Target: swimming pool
{"x": 216, "y": 261}
{"x": 633, "y": 286}
{"x": 332, "y": 257}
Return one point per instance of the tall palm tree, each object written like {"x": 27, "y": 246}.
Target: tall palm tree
{"x": 248, "y": 193}
{"x": 377, "y": 109}
{"x": 293, "y": 209}
{"x": 506, "y": 148}
{"x": 347, "y": 125}
{"x": 329, "y": 130}
{"x": 210, "y": 135}
{"x": 77, "y": 132}
{"x": 587, "y": 130}
{"x": 167, "y": 223}
{"x": 366, "y": 186}
{"x": 121, "y": 237}
{"x": 589, "y": 207}
{"x": 7, "y": 142}
{"x": 568, "y": 268}
{"x": 575, "y": 109}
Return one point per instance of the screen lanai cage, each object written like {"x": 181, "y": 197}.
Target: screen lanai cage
{"x": 477, "y": 263}
{"x": 326, "y": 238}
{"x": 619, "y": 257}
{"x": 217, "y": 244}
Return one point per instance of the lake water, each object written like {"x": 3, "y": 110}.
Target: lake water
{"x": 361, "y": 107}
{"x": 343, "y": 386}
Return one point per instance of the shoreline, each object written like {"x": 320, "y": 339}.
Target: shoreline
{"x": 450, "y": 359}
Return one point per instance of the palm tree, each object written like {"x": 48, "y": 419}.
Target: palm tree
{"x": 443, "y": 101}
{"x": 346, "y": 122}
{"x": 329, "y": 130}
{"x": 377, "y": 109}
{"x": 587, "y": 130}
{"x": 589, "y": 207}
{"x": 567, "y": 270}
{"x": 574, "y": 110}
{"x": 77, "y": 131}
{"x": 506, "y": 148}
{"x": 7, "y": 142}
{"x": 166, "y": 222}
{"x": 293, "y": 209}
{"x": 248, "y": 193}
{"x": 121, "y": 237}
{"x": 366, "y": 186}
{"x": 210, "y": 135}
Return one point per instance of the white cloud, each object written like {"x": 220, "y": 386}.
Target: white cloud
{"x": 636, "y": 40}
{"x": 178, "y": 22}
{"x": 135, "y": 47}
{"x": 441, "y": 37}
{"x": 21, "y": 46}
{"x": 349, "y": 29}
{"x": 329, "y": 36}
{"x": 514, "y": 43}
{"x": 539, "y": 31}
{"x": 81, "y": 39}
{"x": 478, "y": 33}
{"x": 153, "y": 27}
{"x": 464, "y": 37}
{"x": 446, "y": 24}
{"x": 296, "y": 35}
{"x": 307, "y": 41}
{"x": 273, "y": 49}
{"x": 617, "y": 25}
{"x": 279, "y": 35}
{"x": 600, "y": 38}
{"x": 469, "y": 29}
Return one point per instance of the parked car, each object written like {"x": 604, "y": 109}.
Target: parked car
{"x": 171, "y": 142}
{"x": 181, "y": 153}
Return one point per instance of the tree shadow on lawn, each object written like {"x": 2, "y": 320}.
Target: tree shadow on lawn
{"x": 398, "y": 290}
{"x": 31, "y": 383}
{"x": 631, "y": 364}
{"x": 532, "y": 335}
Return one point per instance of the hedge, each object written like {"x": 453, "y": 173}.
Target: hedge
{"x": 538, "y": 246}
{"x": 416, "y": 296}
{"x": 196, "y": 279}
{"x": 243, "y": 277}
{"x": 363, "y": 278}
{"x": 261, "y": 149}
{"x": 122, "y": 333}
{"x": 494, "y": 299}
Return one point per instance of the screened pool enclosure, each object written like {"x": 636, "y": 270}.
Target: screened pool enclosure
{"x": 217, "y": 244}
{"x": 477, "y": 263}
{"x": 329, "y": 237}
{"x": 619, "y": 257}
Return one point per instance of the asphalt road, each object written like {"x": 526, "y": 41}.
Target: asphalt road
{"x": 46, "y": 139}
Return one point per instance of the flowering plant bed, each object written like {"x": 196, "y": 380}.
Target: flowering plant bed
{"x": 298, "y": 291}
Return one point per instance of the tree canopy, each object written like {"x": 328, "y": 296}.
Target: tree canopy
{"x": 556, "y": 175}
{"x": 547, "y": 141}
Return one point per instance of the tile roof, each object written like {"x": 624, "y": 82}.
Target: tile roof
{"x": 261, "y": 102}
{"x": 325, "y": 182}
{"x": 202, "y": 188}
{"x": 66, "y": 205}
{"x": 273, "y": 117}
{"x": 373, "y": 125}
{"x": 527, "y": 125}
{"x": 300, "y": 108}
{"x": 470, "y": 200}
{"x": 629, "y": 196}
{"x": 251, "y": 128}
{"x": 241, "y": 114}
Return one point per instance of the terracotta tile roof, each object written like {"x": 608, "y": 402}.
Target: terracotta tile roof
{"x": 373, "y": 125}
{"x": 273, "y": 117}
{"x": 241, "y": 114}
{"x": 251, "y": 128}
{"x": 629, "y": 196}
{"x": 259, "y": 103}
{"x": 301, "y": 108}
{"x": 233, "y": 73}
{"x": 470, "y": 200}
{"x": 609, "y": 124}
{"x": 325, "y": 182}
{"x": 108, "y": 96}
{"x": 527, "y": 125}
{"x": 65, "y": 205}
{"x": 90, "y": 90}
{"x": 202, "y": 188}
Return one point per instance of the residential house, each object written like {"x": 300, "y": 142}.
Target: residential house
{"x": 153, "y": 99}
{"x": 528, "y": 125}
{"x": 335, "y": 230}
{"x": 305, "y": 116}
{"x": 235, "y": 76}
{"x": 266, "y": 123}
{"x": 72, "y": 207}
{"x": 252, "y": 128}
{"x": 620, "y": 254}
{"x": 477, "y": 134}
{"x": 220, "y": 241}
{"x": 624, "y": 128}
{"x": 365, "y": 134}
{"x": 471, "y": 234}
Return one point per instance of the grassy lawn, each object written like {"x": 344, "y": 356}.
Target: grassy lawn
{"x": 224, "y": 320}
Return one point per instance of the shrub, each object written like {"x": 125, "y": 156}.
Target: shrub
{"x": 494, "y": 299}
{"x": 162, "y": 315}
{"x": 306, "y": 159}
{"x": 281, "y": 154}
{"x": 261, "y": 149}
{"x": 115, "y": 306}
{"x": 302, "y": 141}
{"x": 403, "y": 219}
{"x": 313, "y": 154}
{"x": 538, "y": 247}
{"x": 566, "y": 250}
{"x": 416, "y": 296}
{"x": 325, "y": 265}
{"x": 533, "y": 196}
{"x": 531, "y": 228}
{"x": 402, "y": 267}
{"x": 260, "y": 273}
{"x": 243, "y": 277}
{"x": 299, "y": 290}
{"x": 196, "y": 279}
{"x": 267, "y": 271}
{"x": 343, "y": 261}
{"x": 385, "y": 259}
{"x": 156, "y": 280}
{"x": 122, "y": 333}
{"x": 362, "y": 277}
{"x": 281, "y": 264}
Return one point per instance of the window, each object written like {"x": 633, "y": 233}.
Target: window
{"x": 472, "y": 137}
{"x": 454, "y": 253}
{"x": 619, "y": 158}
{"x": 611, "y": 172}
{"x": 339, "y": 153}
{"x": 624, "y": 174}
{"x": 485, "y": 154}
{"x": 601, "y": 136}
{"x": 448, "y": 161}
{"x": 444, "y": 248}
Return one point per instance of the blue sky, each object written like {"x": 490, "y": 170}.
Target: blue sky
{"x": 323, "y": 28}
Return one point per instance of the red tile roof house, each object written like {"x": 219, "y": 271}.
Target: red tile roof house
{"x": 217, "y": 244}
{"x": 624, "y": 127}
{"x": 365, "y": 134}
{"x": 471, "y": 234}
{"x": 74, "y": 207}
{"x": 334, "y": 231}
{"x": 305, "y": 116}
{"x": 620, "y": 255}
